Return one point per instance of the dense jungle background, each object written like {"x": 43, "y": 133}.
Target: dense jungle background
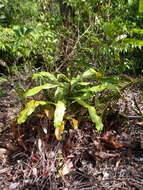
{"x": 71, "y": 94}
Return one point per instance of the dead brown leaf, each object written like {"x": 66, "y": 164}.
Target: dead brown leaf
{"x": 104, "y": 155}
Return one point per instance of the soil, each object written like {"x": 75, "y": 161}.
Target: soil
{"x": 32, "y": 159}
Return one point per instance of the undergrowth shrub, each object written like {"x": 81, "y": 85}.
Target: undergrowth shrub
{"x": 29, "y": 43}
{"x": 63, "y": 93}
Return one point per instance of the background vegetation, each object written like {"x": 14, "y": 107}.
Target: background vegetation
{"x": 71, "y": 34}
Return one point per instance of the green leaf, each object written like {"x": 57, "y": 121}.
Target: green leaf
{"x": 87, "y": 74}
{"x": 62, "y": 77}
{"x": 113, "y": 79}
{"x": 92, "y": 112}
{"x": 45, "y": 74}
{"x": 59, "y": 113}
{"x": 97, "y": 88}
{"x": 95, "y": 118}
{"x": 2, "y": 80}
{"x": 111, "y": 86}
{"x": 75, "y": 80}
{"x": 108, "y": 29}
{"x": 138, "y": 31}
{"x": 140, "y": 6}
{"x": 29, "y": 109}
{"x": 37, "y": 89}
{"x": 130, "y": 2}
{"x": 86, "y": 96}
{"x": 134, "y": 41}
{"x": 101, "y": 87}
{"x": 83, "y": 83}
{"x": 60, "y": 93}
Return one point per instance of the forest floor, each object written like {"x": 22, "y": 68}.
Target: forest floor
{"x": 32, "y": 159}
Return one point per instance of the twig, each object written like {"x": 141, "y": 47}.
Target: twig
{"x": 79, "y": 38}
{"x": 130, "y": 117}
{"x": 132, "y": 83}
{"x": 137, "y": 106}
{"x": 74, "y": 47}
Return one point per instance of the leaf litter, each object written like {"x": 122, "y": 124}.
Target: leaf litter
{"x": 83, "y": 160}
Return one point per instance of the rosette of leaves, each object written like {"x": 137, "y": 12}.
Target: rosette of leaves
{"x": 65, "y": 92}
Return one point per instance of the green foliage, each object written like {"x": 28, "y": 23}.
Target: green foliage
{"x": 27, "y": 43}
{"x": 68, "y": 33}
{"x": 135, "y": 41}
{"x": 37, "y": 89}
{"x": 59, "y": 113}
{"x": 140, "y": 6}
{"x": 29, "y": 109}
{"x": 66, "y": 92}
{"x": 92, "y": 112}
{"x": 3, "y": 79}
{"x": 18, "y": 12}
{"x": 94, "y": 34}
{"x": 26, "y": 34}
